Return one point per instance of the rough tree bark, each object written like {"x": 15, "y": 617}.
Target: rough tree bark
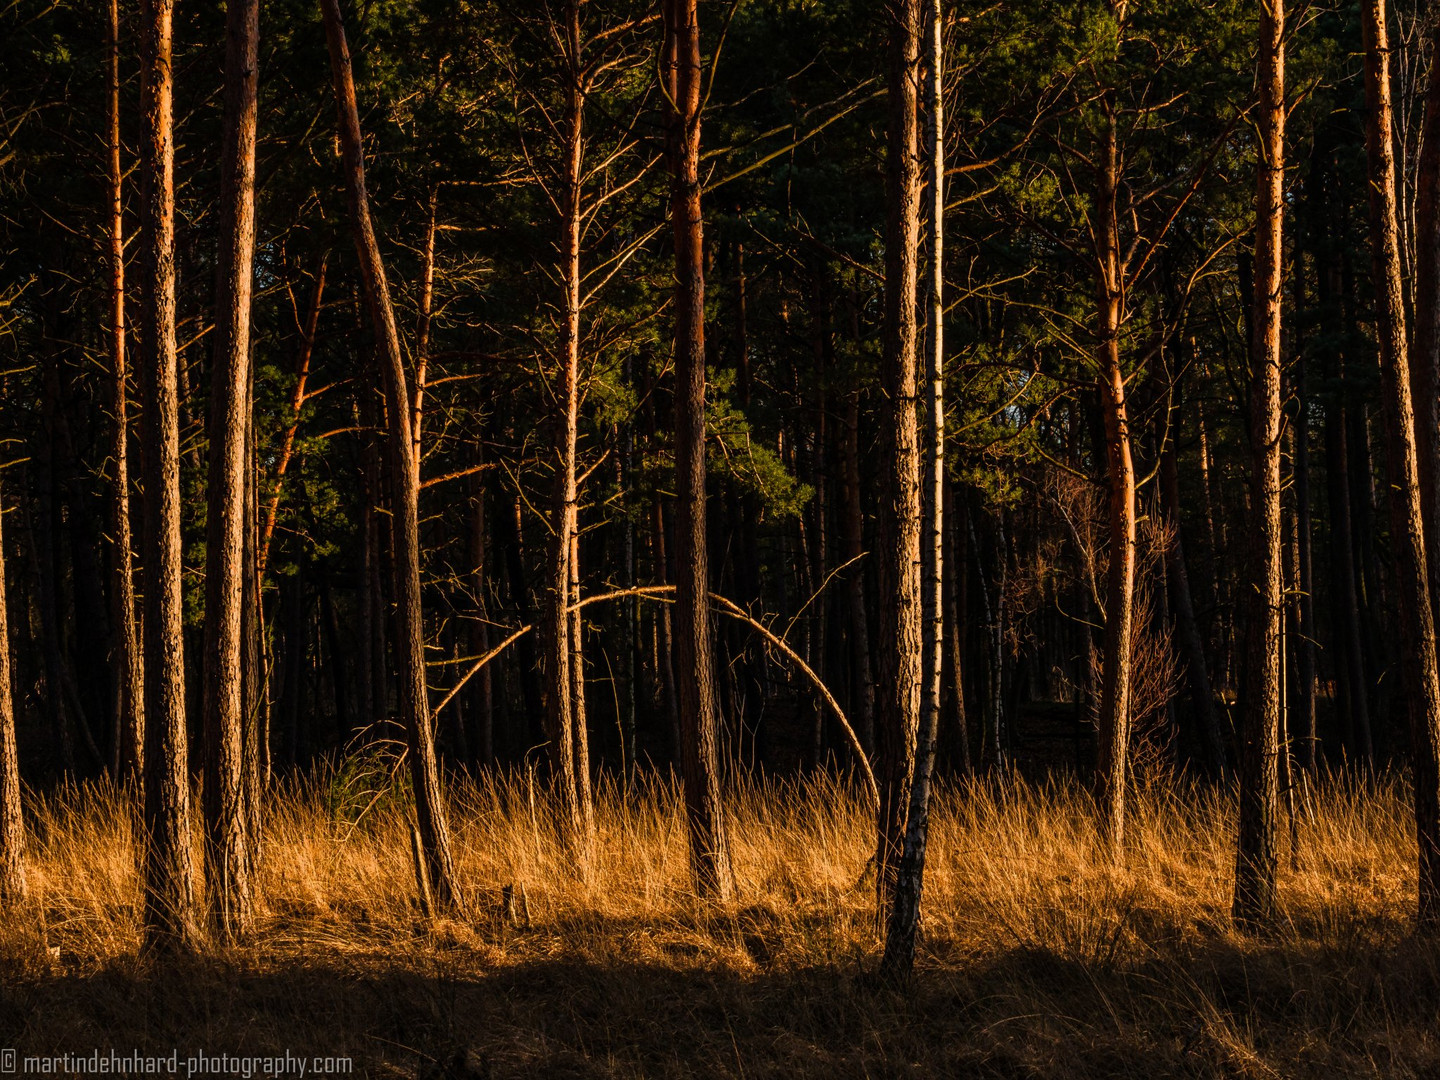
{"x": 1256, "y": 858}
{"x": 1425, "y": 377}
{"x": 227, "y": 850}
{"x": 12, "y": 825}
{"x": 169, "y": 872}
{"x": 693, "y": 657}
{"x": 1417, "y": 622}
{"x": 899, "y": 959}
{"x": 897, "y": 699}
{"x": 432, "y": 819}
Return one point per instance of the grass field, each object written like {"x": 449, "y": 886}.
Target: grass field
{"x": 1038, "y": 958}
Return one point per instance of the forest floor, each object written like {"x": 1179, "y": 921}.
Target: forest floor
{"x": 1039, "y": 958}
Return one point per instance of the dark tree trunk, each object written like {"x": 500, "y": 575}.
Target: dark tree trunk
{"x": 956, "y": 558}
{"x": 482, "y": 705}
{"x": 694, "y": 670}
{"x": 1417, "y": 623}
{"x": 1256, "y": 861}
{"x": 1192, "y": 644}
{"x": 1352, "y": 705}
{"x": 1306, "y": 736}
{"x": 862, "y": 706}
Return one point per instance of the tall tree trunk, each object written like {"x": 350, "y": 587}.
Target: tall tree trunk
{"x": 1255, "y": 863}
{"x": 563, "y": 659}
{"x": 430, "y": 810}
{"x": 694, "y": 655}
{"x": 12, "y": 824}
{"x": 255, "y": 702}
{"x": 1352, "y": 706}
{"x": 227, "y": 838}
{"x": 1425, "y": 369}
{"x": 169, "y": 874}
{"x": 899, "y": 959}
{"x": 1425, "y": 365}
{"x": 46, "y": 552}
{"x": 1113, "y": 765}
{"x": 1306, "y": 735}
{"x": 897, "y": 701}
{"x": 129, "y": 671}
{"x": 1407, "y": 531}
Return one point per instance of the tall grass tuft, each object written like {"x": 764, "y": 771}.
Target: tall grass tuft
{"x": 1038, "y": 956}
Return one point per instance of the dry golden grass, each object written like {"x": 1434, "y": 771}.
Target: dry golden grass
{"x": 1038, "y": 958}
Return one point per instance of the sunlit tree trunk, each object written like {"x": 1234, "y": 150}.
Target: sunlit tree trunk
{"x": 129, "y": 670}
{"x": 1417, "y": 624}
{"x": 694, "y": 655}
{"x": 227, "y": 836}
{"x": 422, "y": 328}
{"x": 897, "y": 699}
{"x": 564, "y": 662}
{"x": 1255, "y": 864}
{"x": 12, "y": 824}
{"x": 169, "y": 872}
{"x": 899, "y": 959}
{"x": 1114, "y": 751}
{"x": 432, "y": 819}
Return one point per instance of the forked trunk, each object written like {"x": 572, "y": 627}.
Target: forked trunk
{"x": 432, "y": 819}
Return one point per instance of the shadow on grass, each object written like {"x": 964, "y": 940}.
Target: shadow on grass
{"x": 452, "y": 1009}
